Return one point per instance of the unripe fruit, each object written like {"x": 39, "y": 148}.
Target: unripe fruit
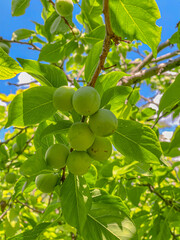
{"x": 80, "y": 136}
{"x": 11, "y": 177}
{"x": 86, "y": 101}
{"x": 101, "y": 149}
{"x": 56, "y": 156}
{"x": 64, "y": 7}
{"x": 46, "y": 182}
{"x": 78, "y": 162}
{"x": 4, "y": 47}
{"x": 76, "y": 31}
{"x": 16, "y": 148}
{"x": 80, "y": 49}
{"x": 62, "y": 98}
{"x": 78, "y": 59}
{"x": 103, "y": 123}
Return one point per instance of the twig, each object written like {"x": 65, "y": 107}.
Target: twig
{"x": 21, "y": 84}
{"x": 33, "y": 209}
{"x": 166, "y": 56}
{"x": 20, "y": 42}
{"x": 80, "y": 73}
{"x": 4, "y": 213}
{"x": 10, "y": 139}
{"x": 150, "y": 57}
{"x": 149, "y": 100}
{"x": 143, "y": 74}
{"x": 50, "y": 1}
{"x": 63, "y": 174}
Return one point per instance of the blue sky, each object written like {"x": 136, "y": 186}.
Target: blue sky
{"x": 8, "y": 24}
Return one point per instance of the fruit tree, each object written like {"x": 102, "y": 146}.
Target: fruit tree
{"x": 89, "y": 120}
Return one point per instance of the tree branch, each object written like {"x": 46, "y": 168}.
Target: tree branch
{"x": 157, "y": 70}
{"x": 150, "y": 57}
{"x": 21, "y": 84}
{"x": 34, "y": 47}
{"x": 33, "y": 209}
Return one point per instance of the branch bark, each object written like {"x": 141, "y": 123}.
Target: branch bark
{"x": 157, "y": 70}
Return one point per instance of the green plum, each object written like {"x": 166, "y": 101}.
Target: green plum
{"x": 64, "y": 7}
{"x": 56, "y": 156}
{"x": 86, "y": 101}
{"x": 11, "y": 177}
{"x": 80, "y": 136}
{"x": 76, "y": 31}
{"x": 78, "y": 162}
{"x": 16, "y": 148}
{"x": 103, "y": 123}
{"x": 4, "y": 47}
{"x": 46, "y": 182}
{"x": 80, "y": 49}
{"x": 101, "y": 149}
{"x": 62, "y": 98}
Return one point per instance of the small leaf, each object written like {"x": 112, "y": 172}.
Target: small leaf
{"x": 22, "y": 34}
{"x": 137, "y": 142}
{"x": 96, "y": 35}
{"x": 175, "y": 141}
{"x": 46, "y": 74}
{"x": 92, "y": 60}
{"x": 31, "y": 106}
{"x": 18, "y": 7}
{"x": 171, "y": 96}
{"x": 75, "y": 201}
{"x": 9, "y": 68}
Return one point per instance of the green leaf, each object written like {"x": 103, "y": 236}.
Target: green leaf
{"x": 75, "y": 201}
{"x": 34, "y": 165}
{"x": 9, "y": 68}
{"x": 115, "y": 96}
{"x": 52, "y": 52}
{"x": 19, "y": 187}
{"x": 176, "y": 38}
{"x": 18, "y": 7}
{"x": 50, "y": 208}
{"x": 46, "y": 74}
{"x": 108, "y": 219}
{"x": 136, "y": 19}
{"x": 21, "y": 140}
{"x": 138, "y": 142}
{"x": 92, "y": 60}
{"x": 32, "y": 234}
{"x": 97, "y": 35}
{"x": 31, "y": 106}
{"x": 22, "y": 34}
{"x": 175, "y": 141}
{"x": 108, "y": 80}
{"x": 40, "y": 142}
{"x": 171, "y": 96}
{"x": 60, "y": 127}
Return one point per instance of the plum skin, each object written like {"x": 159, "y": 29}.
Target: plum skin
{"x": 46, "y": 182}
{"x": 62, "y": 98}
{"x": 80, "y": 136}
{"x": 79, "y": 162}
{"x": 86, "y": 101}
{"x": 101, "y": 149}
{"x": 56, "y": 155}
{"x": 103, "y": 123}
{"x": 64, "y": 7}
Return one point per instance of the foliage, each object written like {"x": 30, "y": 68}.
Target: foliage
{"x": 135, "y": 193}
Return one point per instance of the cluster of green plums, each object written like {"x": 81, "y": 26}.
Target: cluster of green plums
{"x": 88, "y": 139}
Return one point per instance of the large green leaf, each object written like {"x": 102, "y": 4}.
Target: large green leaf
{"x": 108, "y": 219}
{"x": 92, "y": 60}
{"x": 136, "y": 19}
{"x": 175, "y": 141}
{"x": 18, "y": 7}
{"x": 31, "y": 106}
{"x": 115, "y": 96}
{"x": 9, "y": 68}
{"x": 95, "y": 35}
{"x": 108, "y": 80}
{"x": 138, "y": 142}
{"x": 171, "y": 96}
{"x": 46, "y": 74}
{"x": 75, "y": 201}
{"x": 34, "y": 165}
